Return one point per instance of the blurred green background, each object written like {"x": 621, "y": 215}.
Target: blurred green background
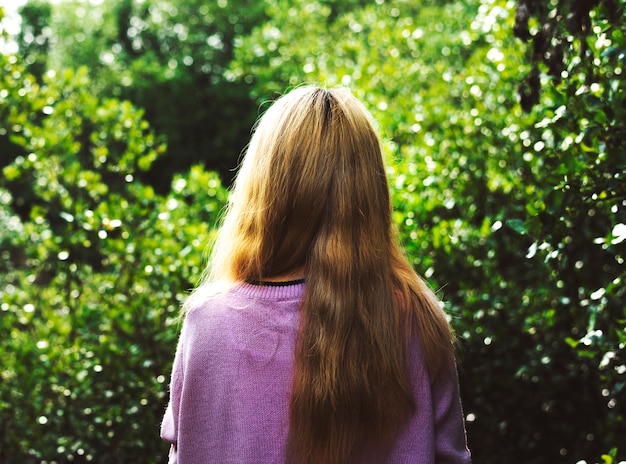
{"x": 121, "y": 126}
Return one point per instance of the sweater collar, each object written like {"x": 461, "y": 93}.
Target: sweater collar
{"x": 273, "y": 291}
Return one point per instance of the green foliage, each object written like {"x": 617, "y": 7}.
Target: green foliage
{"x": 169, "y": 58}
{"x": 577, "y": 154}
{"x": 517, "y": 218}
{"x": 34, "y": 35}
{"x": 94, "y": 266}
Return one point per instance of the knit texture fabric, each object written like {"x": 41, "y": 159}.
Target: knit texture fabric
{"x": 231, "y": 380}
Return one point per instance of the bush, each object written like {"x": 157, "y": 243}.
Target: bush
{"x": 95, "y": 265}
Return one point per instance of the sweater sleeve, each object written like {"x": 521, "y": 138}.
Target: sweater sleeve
{"x": 169, "y": 426}
{"x": 450, "y": 436}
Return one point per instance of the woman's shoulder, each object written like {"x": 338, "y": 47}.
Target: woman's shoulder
{"x": 209, "y": 301}
{"x": 209, "y": 322}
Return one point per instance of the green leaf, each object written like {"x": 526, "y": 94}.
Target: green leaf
{"x": 518, "y": 226}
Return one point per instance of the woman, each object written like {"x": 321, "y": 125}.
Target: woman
{"x": 311, "y": 339}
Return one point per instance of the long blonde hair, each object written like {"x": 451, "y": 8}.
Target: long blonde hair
{"x": 312, "y": 193}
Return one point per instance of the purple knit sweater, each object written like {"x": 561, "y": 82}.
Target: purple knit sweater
{"x": 229, "y": 394}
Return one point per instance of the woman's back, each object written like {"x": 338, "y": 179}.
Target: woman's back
{"x": 232, "y": 378}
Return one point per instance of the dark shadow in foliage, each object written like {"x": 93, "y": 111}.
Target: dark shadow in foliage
{"x": 203, "y": 123}
{"x": 550, "y": 44}
{"x": 34, "y": 36}
{"x": 204, "y": 117}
